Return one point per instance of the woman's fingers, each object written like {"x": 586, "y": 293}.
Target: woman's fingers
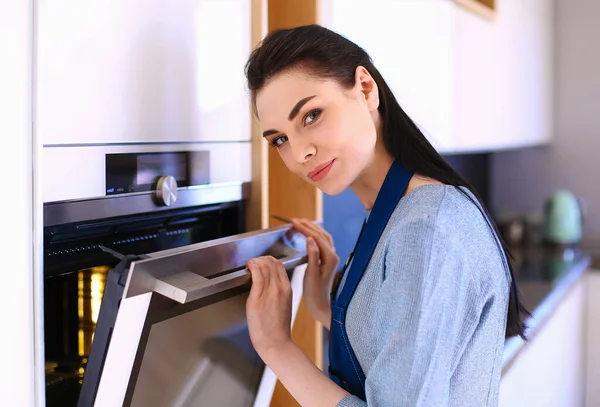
{"x": 326, "y": 252}
{"x": 276, "y": 271}
{"x": 319, "y": 230}
{"x": 323, "y": 239}
{"x": 268, "y": 273}
{"x": 313, "y": 253}
{"x": 284, "y": 280}
{"x": 303, "y": 228}
{"x": 308, "y": 227}
{"x": 260, "y": 281}
{"x": 268, "y": 314}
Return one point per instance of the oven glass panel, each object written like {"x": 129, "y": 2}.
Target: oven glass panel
{"x": 200, "y": 358}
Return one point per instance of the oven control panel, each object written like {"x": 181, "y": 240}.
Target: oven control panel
{"x": 166, "y": 190}
{"x": 162, "y": 172}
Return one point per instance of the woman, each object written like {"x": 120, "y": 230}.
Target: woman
{"x": 421, "y": 313}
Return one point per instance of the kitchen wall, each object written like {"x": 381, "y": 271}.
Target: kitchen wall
{"x": 343, "y": 215}
{"x": 521, "y": 180}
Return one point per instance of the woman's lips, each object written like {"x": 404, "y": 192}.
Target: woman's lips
{"x": 321, "y": 171}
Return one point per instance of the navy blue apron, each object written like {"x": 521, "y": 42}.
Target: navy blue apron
{"x": 344, "y": 368}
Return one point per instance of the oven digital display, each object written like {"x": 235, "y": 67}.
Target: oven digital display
{"x": 139, "y": 172}
{"x": 150, "y": 167}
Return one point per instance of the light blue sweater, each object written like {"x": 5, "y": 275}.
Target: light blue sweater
{"x": 428, "y": 318}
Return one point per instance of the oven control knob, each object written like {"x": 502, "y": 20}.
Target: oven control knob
{"x": 166, "y": 190}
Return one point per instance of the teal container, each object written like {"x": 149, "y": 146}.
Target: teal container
{"x": 562, "y": 220}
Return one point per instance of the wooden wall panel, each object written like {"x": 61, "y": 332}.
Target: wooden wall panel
{"x": 257, "y": 211}
{"x": 290, "y": 196}
{"x": 292, "y": 13}
{"x": 485, "y": 8}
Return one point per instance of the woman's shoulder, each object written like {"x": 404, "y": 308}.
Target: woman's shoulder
{"x": 414, "y": 222}
{"x": 445, "y": 222}
{"x": 444, "y": 207}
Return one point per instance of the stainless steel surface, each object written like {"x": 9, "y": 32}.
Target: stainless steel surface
{"x": 201, "y": 358}
{"x": 196, "y": 271}
{"x": 230, "y": 162}
{"x": 123, "y": 205}
{"x": 166, "y": 190}
{"x": 188, "y": 286}
{"x": 196, "y": 353}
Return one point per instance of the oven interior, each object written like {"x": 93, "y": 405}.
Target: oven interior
{"x": 76, "y": 268}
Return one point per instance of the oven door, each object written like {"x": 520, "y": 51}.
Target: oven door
{"x": 172, "y": 328}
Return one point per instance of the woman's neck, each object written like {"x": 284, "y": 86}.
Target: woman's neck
{"x": 369, "y": 182}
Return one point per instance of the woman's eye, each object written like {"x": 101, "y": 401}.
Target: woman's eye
{"x": 312, "y": 116}
{"x": 278, "y": 141}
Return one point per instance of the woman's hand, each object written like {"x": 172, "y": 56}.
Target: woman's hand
{"x": 269, "y": 315}
{"x": 322, "y": 264}
{"x": 269, "y": 307}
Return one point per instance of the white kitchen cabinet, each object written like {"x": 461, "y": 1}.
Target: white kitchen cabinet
{"x": 112, "y": 71}
{"x": 22, "y": 383}
{"x": 550, "y": 371}
{"x": 504, "y": 76}
{"x": 410, "y": 44}
{"x": 470, "y": 83}
{"x": 593, "y": 341}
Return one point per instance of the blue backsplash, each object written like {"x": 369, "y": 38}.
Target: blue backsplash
{"x": 343, "y": 214}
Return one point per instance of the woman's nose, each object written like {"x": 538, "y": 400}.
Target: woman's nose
{"x": 302, "y": 152}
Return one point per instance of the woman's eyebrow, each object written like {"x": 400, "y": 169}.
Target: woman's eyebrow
{"x": 292, "y": 115}
{"x": 267, "y": 133}
{"x": 298, "y": 106}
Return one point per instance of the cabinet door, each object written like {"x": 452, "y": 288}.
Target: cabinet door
{"x": 21, "y": 301}
{"x": 593, "y": 340}
{"x": 142, "y": 71}
{"x": 550, "y": 369}
{"x": 504, "y": 76}
{"x": 410, "y": 44}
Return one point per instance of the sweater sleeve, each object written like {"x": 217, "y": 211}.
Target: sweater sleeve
{"x": 428, "y": 305}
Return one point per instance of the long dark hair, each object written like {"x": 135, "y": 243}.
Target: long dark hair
{"x": 331, "y": 56}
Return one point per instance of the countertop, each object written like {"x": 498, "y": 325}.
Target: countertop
{"x": 544, "y": 275}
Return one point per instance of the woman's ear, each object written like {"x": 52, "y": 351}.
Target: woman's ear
{"x": 367, "y": 87}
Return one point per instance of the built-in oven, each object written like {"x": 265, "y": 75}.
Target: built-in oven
{"x": 145, "y": 288}
{"x": 146, "y": 148}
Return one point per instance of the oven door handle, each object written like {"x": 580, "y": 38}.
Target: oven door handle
{"x": 186, "y": 287}
{"x": 195, "y": 271}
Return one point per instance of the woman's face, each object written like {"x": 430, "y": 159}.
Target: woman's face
{"x": 324, "y": 133}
